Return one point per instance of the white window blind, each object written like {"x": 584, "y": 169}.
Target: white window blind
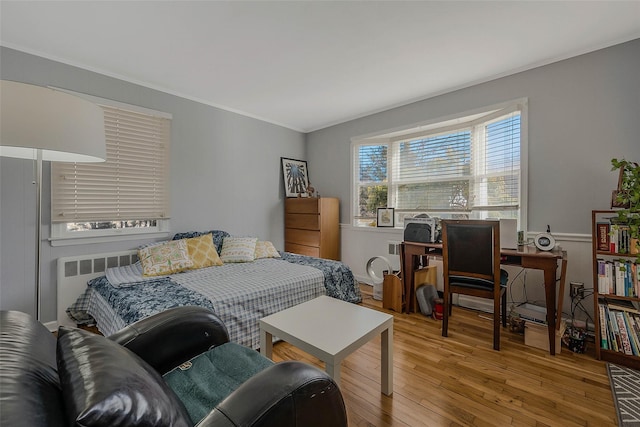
{"x": 433, "y": 172}
{"x": 133, "y": 183}
{"x": 469, "y": 167}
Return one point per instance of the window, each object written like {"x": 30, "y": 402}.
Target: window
{"x": 468, "y": 167}
{"x": 127, "y": 194}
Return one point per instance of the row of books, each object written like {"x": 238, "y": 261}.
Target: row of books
{"x": 616, "y": 238}
{"x": 618, "y": 277}
{"x": 620, "y": 327}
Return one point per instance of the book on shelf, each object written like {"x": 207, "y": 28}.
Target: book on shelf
{"x": 623, "y": 305}
{"x": 615, "y": 332}
{"x": 619, "y": 240}
{"x": 614, "y": 236}
{"x": 604, "y": 338}
{"x": 620, "y": 327}
{"x": 624, "y": 333}
{"x": 602, "y": 234}
{"x": 618, "y": 277}
{"x": 634, "y": 339}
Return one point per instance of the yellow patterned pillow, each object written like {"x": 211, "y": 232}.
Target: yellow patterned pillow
{"x": 238, "y": 249}
{"x": 203, "y": 252}
{"x": 266, "y": 250}
{"x": 165, "y": 258}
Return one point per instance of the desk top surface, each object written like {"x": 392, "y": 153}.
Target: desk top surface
{"x": 524, "y": 250}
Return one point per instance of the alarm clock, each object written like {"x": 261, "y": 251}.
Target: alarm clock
{"x": 544, "y": 241}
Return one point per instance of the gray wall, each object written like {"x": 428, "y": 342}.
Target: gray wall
{"x": 225, "y": 174}
{"x": 225, "y": 169}
{"x": 582, "y": 112}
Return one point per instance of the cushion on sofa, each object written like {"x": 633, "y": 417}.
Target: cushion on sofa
{"x": 217, "y": 235}
{"x": 208, "y": 378}
{"x": 238, "y": 249}
{"x": 165, "y": 258}
{"x": 202, "y": 252}
{"x": 265, "y": 249}
{"x": 104, "y": 384}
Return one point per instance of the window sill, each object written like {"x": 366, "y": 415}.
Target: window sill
{"x": 72, "y": 241}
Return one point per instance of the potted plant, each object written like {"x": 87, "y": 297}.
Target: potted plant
{"x": 627, "y": 198}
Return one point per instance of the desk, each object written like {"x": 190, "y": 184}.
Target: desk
{"x": 524, "y": 256}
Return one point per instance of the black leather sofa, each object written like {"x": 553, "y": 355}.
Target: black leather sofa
{"x": 85, "y": 379}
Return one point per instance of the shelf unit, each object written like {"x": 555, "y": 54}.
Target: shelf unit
{"x": 312, "y": 227}
{"x": 609, "y": 355}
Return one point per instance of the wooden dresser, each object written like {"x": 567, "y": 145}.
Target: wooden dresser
{"x": 312, "y": 227}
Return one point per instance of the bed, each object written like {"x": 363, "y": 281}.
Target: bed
{"x": 110, "y": 290}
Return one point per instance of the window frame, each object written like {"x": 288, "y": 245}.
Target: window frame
{"x": 431, "y": 128}
{"x": 60, "y": 236}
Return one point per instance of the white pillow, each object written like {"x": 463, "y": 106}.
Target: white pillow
{"x": 238, "y": 249}
{"x": 265, "y": 249}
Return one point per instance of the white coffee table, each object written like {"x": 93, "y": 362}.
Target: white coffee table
{"x": 330, "y": 330}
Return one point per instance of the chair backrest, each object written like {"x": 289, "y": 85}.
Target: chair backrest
{"x": 471, "y": 248}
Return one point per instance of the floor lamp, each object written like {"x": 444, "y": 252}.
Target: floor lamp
{"x": 44, "y": 124}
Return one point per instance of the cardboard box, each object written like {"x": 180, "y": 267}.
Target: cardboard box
{"x": 536, "y": 335}
{"x": 392, "y": 292}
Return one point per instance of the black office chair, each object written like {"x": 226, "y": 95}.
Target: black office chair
{"x": 471, "y": 264}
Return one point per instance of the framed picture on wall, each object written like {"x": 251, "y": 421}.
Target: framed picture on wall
{"x": 386, "y": 217}
{"x": 295, "y": 176}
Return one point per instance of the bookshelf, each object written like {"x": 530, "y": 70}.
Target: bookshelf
{"x": 616, "y": 275}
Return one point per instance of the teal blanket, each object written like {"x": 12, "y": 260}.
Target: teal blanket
{"x": 210, "y": 377}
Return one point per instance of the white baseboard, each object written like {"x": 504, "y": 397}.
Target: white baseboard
{"x": 481, "y": 304}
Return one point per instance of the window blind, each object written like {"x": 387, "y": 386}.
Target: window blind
{"x": 133, "y": 183}
{"x": 434, "y": 172}
{"x": 462, "y": 167}
{"x": 496, "y": 181}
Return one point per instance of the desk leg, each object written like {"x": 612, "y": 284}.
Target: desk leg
{"x": 386, "y": 359}
{"x": 333, "y": 369}
{"x": 407, "y": 279}
{"x": 266, "y": 344}
{"x": 563, "y": 275}
{"x": 550, "y": 299}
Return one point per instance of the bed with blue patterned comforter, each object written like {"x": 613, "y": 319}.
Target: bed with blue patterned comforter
{"x": 239, "y": 293}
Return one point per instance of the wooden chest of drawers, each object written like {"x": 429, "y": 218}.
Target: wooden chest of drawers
{"x": 312, "y": 227}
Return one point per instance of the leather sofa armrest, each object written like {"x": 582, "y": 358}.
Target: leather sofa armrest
{"x": 168, "y": 339}
{"x": 286, "y": 394}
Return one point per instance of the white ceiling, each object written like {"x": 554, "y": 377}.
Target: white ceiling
{"x": 307, "y": 65}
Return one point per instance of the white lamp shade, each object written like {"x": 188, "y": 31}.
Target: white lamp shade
{"x": 66, "y": 128}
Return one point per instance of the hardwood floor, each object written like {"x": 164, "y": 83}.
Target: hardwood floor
{"x": 460, "y": 380}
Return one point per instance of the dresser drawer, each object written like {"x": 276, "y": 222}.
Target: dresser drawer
{"x": 303, "y": 221}
{"x": 302, "y": 237}
{"x": 302, "y": 250}
{"x": 301, "y": 205}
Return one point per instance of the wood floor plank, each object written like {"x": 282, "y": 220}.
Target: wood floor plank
{"x": 461, "y": 381}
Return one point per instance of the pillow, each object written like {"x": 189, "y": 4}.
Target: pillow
{"x": 166, "y": 258}
{"x": 266, "y": 250}
{"x": 218, "y": 236}
{"x": 126, "y": 275}
{"x": 238, "y": 249}
{"x": 105, "y": 384}
{"x": 202, "y": 252}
